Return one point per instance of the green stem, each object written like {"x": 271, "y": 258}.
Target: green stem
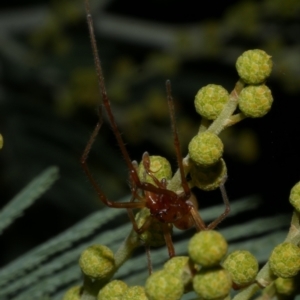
{"x": 204, "y": 125}
{"x": 234, "y": 119}
{"x": 127, "y": 247}
{"x": 294, "y": 232}
{"x": 175, "y": 184}
{"x": 219, "y": 124}
{"x": 265, "y": 276}
{"x": 269, "y": 292}
{"x": 248, "y": 292}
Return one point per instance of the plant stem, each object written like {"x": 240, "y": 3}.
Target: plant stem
{"x": 124, "y": 252}
{"x": 248, "y": 292}
{"x": 219, "y": 124}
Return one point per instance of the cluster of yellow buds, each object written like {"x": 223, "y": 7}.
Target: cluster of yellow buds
{"x": 207, "y": 270}
{"x": 220, "y": 109}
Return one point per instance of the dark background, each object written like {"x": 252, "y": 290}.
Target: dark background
{"x": 49, "y": 96}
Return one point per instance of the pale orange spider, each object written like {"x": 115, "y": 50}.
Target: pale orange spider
{"x": 166, "y": 206}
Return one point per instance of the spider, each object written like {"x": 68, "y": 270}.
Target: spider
{"x": 165, "y": 205}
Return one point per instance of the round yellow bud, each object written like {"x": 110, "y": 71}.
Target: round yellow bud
{"x": 210, "y": 101}
{"x": 285, "y": 286}
{"x": 242, "y": 266}
{"x": 209, "y": 178}
{"x": 254, "y": 66}
{"x": 295, "y": 196}
{"x": 153, "y": 236}
{"x": 212, "y": 284}
{"x": 114, "y": 290}
{"x": 162, "y": 285}
{"x": 207, "y": 248}
{"x": 285, "y": 260}
{"x": 205, "y": 149}
{"x": 255, "y": 100}
{"x": 97, "y": 262}
{"x": 74, "y": 293}
{"x": 180, "y": 267}
{"x": 135, "y": 293}
{"x": 159, "y": 166}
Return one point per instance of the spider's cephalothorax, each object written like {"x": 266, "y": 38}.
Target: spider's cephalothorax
{"x": 167, "y": 208}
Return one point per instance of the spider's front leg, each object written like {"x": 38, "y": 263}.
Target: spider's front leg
{"x": 217, "y": 221}
{"x": 91, "y": 178}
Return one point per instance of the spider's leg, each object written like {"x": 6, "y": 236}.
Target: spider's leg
{"x": 149, "y": 261}
{"x": 146, "y": 164}
{"x": 217, "y": 221}
{"x": 184, "y": 182}
{"x": 91, "y": 178}
{"x": 168, "y": 239}
{"x": 199, "y": 223}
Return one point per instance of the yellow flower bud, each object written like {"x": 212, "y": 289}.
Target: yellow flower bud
{"x": 74, "y": 293}
{"x": 162, "y": 285}
{"x": 285, "y": 260}
{"x": 210, "y": 101}
{"x": 159, "y": 166}
{"x": 295, "y": 196}
{"x": 209, "y": 178}
{"x": 114, "y": 290}
{"x": 207, "y": 248}
{"x": 153, "y": 236}
{"x": 242, "y": 266}
{"x": 212, "y": 283}
{"x": 135, "y": 293}
{"x": 205, "y": 149}
{"x": 254, "y": 66}
{"x": 181, "y": 267}
{"x": 97, "y": 262}
{"x": 285, "y": 286}
{"x": 255, "y": 100}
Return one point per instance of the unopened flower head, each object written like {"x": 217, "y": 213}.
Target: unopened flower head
{"x": 97, "y": 262}
{"x": 209, "y": 178}
{"x": 285, "y": 260}
{"x": 254, "y": 66}
{"x": 153, "y": 236}
{"x": 211, "y": 284}
{"x": 207, "y": 248}
{"x": 181, "y": 267}
{"x": 295, "y": 196}
{"x": 255, "y": 100}
{"x": 135, "y": 293}
{"x": 210, "y": 101}
{"x": 242, "y": 266}
{"x": 159, "y": 167}
{"x": 74, "y": 293}
{"x": 205, "y": 149}
{"x": 114, "y": 290}
{"x": 285, "y": 286}
{"x": 162, "y": 285}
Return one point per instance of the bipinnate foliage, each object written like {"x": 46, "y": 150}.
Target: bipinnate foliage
{"x": 43, "y": 272}
{"x": 27, "y": 197}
